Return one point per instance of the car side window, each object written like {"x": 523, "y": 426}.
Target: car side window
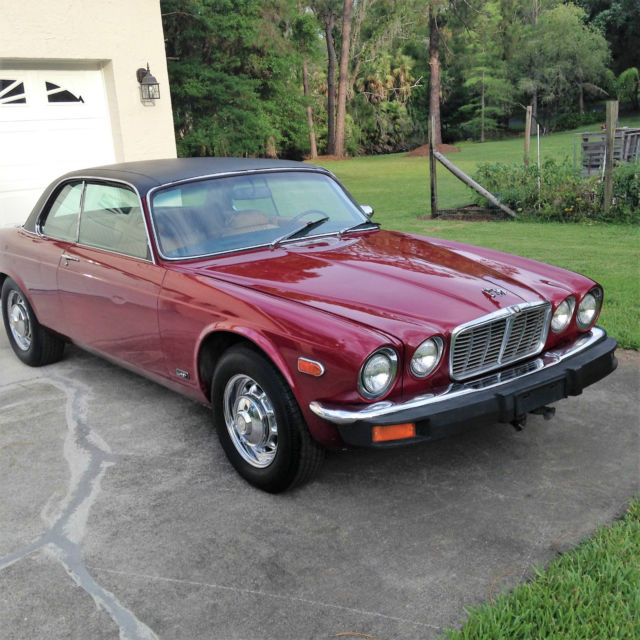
{"x": 112, "y": 219}
{"x": 62, "y": 219}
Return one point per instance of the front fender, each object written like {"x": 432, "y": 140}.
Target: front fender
{"x": 193, "y": 308}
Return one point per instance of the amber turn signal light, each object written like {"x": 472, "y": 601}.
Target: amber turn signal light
{"x": 393, "y": 432}
{"x": 310, "y": 367}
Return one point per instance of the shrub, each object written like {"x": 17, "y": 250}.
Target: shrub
{"x": 564, "y": 195}
{"x": 574, "y": 120}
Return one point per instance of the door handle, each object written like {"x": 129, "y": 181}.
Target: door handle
{"x": 66, "y": 257}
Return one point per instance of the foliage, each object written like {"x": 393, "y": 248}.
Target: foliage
{"x": 490, "y": 94}
{"x": 627, "y": 86}
{"x": 236, "y": 69}
{"x": 619, "y": 21}
{"x": 592, "y": 592}
{"x": 230, "y": 67}
{"x": 573, "y": 120}
{"x": 559, "y": 58}
{"x": 559, "y": 192}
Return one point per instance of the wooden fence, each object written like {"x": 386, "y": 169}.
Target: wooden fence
{"x": 593, "y": 145}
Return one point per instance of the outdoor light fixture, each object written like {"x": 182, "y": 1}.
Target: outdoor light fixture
{"x": 149, "y": 87}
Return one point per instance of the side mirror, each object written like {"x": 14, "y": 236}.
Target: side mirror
{"x": 367, "y": 210}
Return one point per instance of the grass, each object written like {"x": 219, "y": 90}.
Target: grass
{"x": 592, "y": 592}
{"x": 369, "y": 178}
{"x": 397, "y": 188}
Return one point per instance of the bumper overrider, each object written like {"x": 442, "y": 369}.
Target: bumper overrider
{"x": 504, "y": 396}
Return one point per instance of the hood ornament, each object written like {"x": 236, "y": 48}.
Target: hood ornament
{"x": 494, "y": 293}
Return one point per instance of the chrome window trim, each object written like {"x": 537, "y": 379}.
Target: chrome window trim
{"x": 233, "y": 174}
{"x": 50, "y": 200}
{"x": 508, "y": 313}
{"x": 94, "y": 180}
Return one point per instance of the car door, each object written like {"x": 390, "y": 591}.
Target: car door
{"x": 108, "y": 281}
{"x": 39, "y": 258}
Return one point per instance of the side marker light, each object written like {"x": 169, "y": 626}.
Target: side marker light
{"x": 310, "y": 367}
{"x": 393, "y": 432}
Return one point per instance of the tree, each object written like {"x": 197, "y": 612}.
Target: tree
{"x": 325, "y": 11}
{"x": 561, "y": 56}
{"x": 628, "y": 85}
{"x": 343, "y": 77}
{"x": 485, "y": 75}
{"x": 434, "y": 76}
{"x": 440, "y": 15}
{"x": 305, "y": 33}
{"x": 232, "y": 88}
{"x": 619, "y": 22}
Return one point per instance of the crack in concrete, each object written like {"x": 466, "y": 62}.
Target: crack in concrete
{"x": 266, "y": 594}
{"x": 88, "y": 457}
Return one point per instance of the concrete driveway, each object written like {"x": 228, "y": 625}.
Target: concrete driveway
{"x": 120, "y": 516}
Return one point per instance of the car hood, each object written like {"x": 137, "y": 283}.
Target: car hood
{"x": 385, "y": 279}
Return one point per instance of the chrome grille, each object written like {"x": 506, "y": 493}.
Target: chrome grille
{"x": 498, "y": 339}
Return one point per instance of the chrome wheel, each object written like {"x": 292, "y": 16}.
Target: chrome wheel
{"x": 250, "y": 420}
{"x": 19, "y": 320}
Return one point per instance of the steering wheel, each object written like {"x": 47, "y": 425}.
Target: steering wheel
{"x": 306, "y": 213}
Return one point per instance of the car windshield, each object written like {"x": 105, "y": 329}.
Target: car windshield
{"x": 218, "y": 215}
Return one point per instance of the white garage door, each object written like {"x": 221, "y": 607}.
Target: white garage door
{"x": 51, "y": 121}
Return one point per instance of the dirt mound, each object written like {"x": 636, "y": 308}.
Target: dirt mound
{"x": 328, "y": 158}
{"x": 422, "y": 151}
{"x": 469, "y": 213}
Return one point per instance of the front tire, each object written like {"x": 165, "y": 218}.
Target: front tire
{"x": 30, "y": 341}
{"x": 259, "y": 422}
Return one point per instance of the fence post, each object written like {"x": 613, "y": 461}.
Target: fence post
{"x": 612, "y": 120}
{"x": 527, "y": 135}
{"x": 432, "y": 169}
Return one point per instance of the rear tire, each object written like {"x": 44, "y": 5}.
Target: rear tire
{"x": 30, "y": 341}
{"x": 259, "y": 422}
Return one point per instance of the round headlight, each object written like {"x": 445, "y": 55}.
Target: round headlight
{"x": 378, "y": 373}
{"x": 562, "y": 315}
{"x": 589, "y": 308}
{"x": 426, "y": 357}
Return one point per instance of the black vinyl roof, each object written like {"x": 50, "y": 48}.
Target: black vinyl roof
{"x": 147, "y": 174}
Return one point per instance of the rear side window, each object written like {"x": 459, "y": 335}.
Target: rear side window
{"x": 62, "y": 220}
{"x": 112, "y": 219}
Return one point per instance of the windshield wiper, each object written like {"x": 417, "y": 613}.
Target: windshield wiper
{"x": 307, "y": 226}
{"x": 357, "y": 226}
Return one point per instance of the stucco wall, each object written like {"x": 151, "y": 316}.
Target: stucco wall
{"x": 118, "y": 36}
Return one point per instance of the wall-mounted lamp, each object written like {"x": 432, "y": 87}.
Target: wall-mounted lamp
{"x": 149, "y": 87}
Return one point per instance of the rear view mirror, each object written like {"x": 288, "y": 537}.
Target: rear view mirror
{"x": 367, "y": 210}
{"x": 251, "y": 192}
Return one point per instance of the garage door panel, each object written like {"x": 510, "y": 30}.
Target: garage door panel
{"x": 45, "y": 137}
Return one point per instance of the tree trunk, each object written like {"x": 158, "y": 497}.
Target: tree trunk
{"x": 312, "y": 134}
{"x": 580, "y": 99}
{"x": 534, "y": 105}
{"x": 482, "y": 112}
{"x": 434, "y": 78}
{"x": 331, "y": 83}
{"x": 343, "y": 77}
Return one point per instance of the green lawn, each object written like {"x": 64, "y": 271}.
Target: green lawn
{"x": 594, "y": 591}
{"x": 370, "y": 178}
{"x": 397, "y": 189}
{"x": 591, "y": 593}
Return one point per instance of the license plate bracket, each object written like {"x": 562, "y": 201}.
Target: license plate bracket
{"x": 527, "y": 401}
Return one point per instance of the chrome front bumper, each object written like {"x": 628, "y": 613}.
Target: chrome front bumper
{"x": 499, "y": 397}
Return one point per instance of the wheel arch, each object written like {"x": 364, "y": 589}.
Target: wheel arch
{"x": 21, "y": 285}
{"x": 217, "y": 342}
